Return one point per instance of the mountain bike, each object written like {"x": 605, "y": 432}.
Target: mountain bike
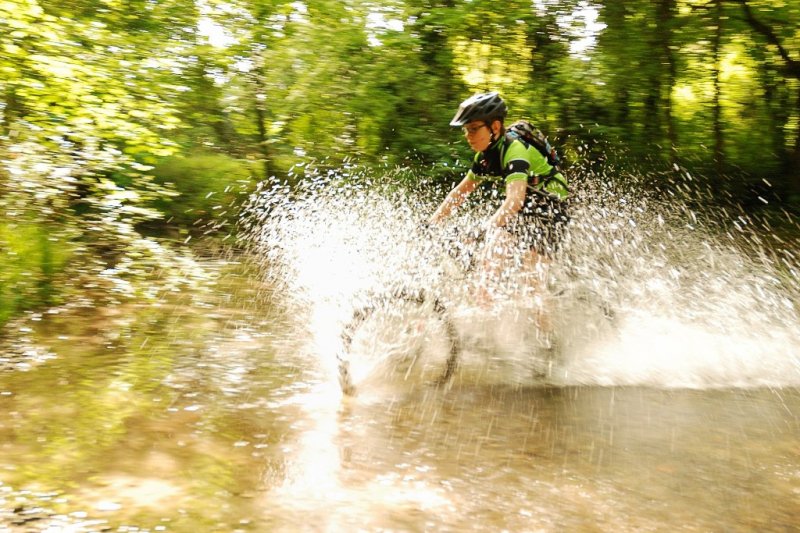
{"x": 419, "y": 334}
{"x": 407, "y": 330}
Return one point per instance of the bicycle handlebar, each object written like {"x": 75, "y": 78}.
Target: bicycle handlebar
{"x": 544, "y": 194}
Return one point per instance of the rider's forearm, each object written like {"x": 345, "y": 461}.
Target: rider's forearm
{"x": 504, "y": 215}
{"x": 515, "y": 198}
{"x": 454, "y": 199}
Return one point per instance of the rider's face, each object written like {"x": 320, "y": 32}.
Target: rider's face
{"x": 478, "y": 135}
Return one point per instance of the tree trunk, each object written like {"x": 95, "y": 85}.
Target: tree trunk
{"x": 794, "y": 157}
{"x": 791, "y": 70}
{"x": 652, "y": 111}
{"x": 435, "y": 52}
{"x": 544, "y": 52}
{"x": 719, "y": 141}
{"x": 666, "y": 13}
{"x": 658, "y": 111}
{"x": 11, "y": 110}
{"x": 259, "y": 93}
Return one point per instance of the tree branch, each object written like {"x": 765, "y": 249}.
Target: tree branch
{"x": 792, "y": 65}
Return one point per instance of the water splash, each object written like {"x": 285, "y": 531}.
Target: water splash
{"x": 702, "y": 297}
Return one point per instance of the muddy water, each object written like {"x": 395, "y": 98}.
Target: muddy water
{"x": 210, "y": 418}
{"x": 594, "y": 459}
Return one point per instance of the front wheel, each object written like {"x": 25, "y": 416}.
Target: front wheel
{"x": 404, "y": 337}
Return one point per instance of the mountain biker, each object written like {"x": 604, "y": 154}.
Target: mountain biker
{"x": 533, "y": 212}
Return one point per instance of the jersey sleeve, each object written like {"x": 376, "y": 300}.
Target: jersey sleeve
{"x": 539, "y": 164}
{"x": 516, "y": 162}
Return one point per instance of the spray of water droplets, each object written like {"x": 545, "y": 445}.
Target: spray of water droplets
{"x": 700, "y": 296}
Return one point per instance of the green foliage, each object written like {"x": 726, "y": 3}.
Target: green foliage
{"x": 378, "y": 81}
{"x": 208, "y": 187}
{"x": 32, "y": 259}
{"x": 93, "y": 94}
{"x": 86, "y": 102}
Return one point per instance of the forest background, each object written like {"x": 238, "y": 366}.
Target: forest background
{"x": 130, "y": 127}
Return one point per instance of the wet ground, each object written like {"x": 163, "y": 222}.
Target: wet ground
{"x": 209, "y": 417}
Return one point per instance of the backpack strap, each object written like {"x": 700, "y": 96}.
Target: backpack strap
{"x": 554, "y": 176}
{"x": 513, "y": 134}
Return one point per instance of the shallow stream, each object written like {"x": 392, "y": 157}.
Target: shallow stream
{"x": 222, "y": 412}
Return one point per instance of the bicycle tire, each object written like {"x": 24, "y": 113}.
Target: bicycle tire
{"x": 585, "y": 316}
{"x": 385, "y": 316}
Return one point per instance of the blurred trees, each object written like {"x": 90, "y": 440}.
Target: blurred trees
{"x": 707, "y": 84}
{"x": 87, "y": 96}
{"x": 111, "y": 108}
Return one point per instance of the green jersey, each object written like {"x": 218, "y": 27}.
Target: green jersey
{"x": 509, "y": 160}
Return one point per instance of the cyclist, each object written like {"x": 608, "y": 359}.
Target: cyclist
{"x": 533, "y": 212}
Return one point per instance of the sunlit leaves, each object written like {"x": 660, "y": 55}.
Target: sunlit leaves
{"x": 85, "y": 103}
{"x": 94, "y": 93}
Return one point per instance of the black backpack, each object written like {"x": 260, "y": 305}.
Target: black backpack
{"x": 533, "y": 136}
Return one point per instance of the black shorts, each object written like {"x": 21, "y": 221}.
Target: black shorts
{"x": 540, "y": 225}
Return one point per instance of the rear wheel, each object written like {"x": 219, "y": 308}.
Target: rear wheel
{"x": 582, "y": 317}
{"x": 403, "y": 337}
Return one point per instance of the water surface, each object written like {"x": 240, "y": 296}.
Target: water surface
{"x": 202, "y": 419}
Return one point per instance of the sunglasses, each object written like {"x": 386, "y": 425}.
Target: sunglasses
{"x": 472, "y": 130}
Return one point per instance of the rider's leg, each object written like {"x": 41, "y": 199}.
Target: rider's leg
{"x": 495, "y": 265}
{"x": 536, "y": 266}
{"x": 537, "y": 261}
